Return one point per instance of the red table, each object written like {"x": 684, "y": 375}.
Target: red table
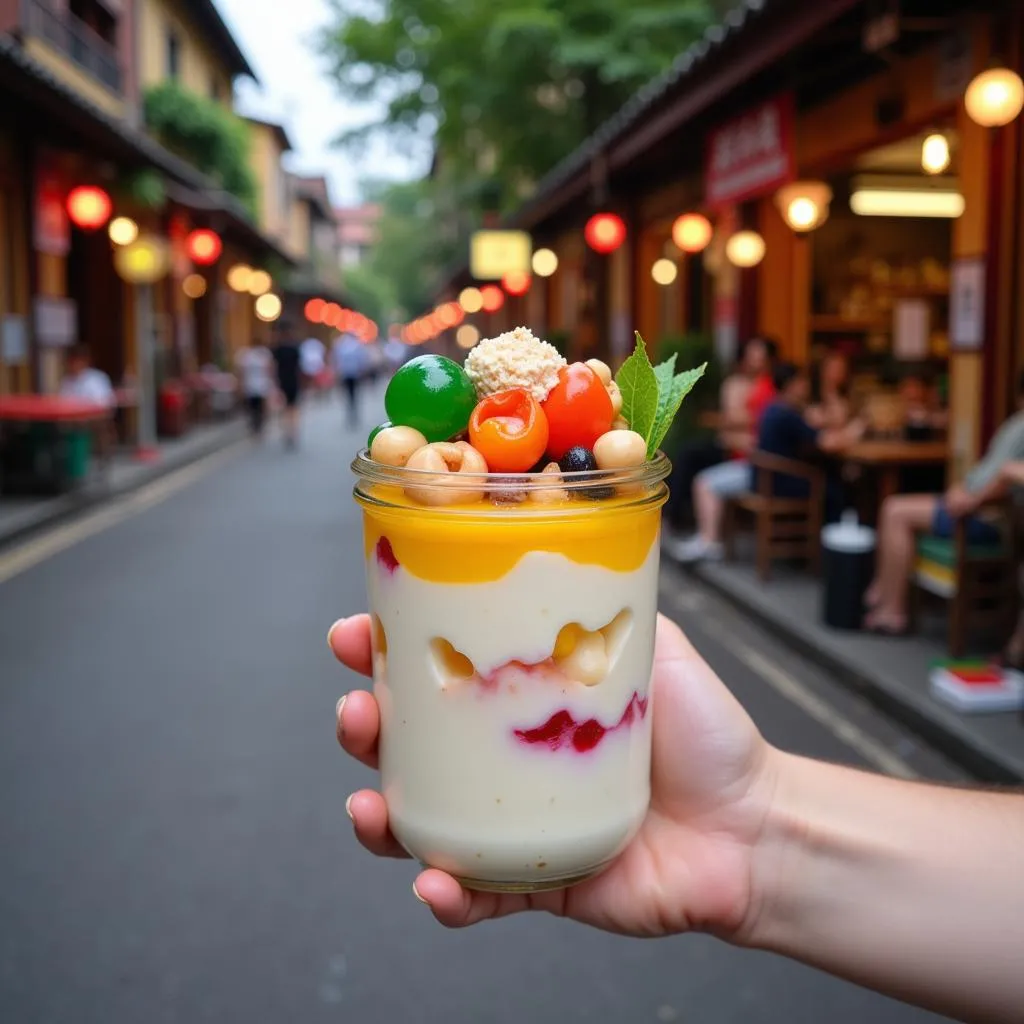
{"x": 20, "y": 412}
{"x": 50, "y": 409}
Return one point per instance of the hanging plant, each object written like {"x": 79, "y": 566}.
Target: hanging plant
{"x": 143, "y": 188}
{"x": 203, "y": 132}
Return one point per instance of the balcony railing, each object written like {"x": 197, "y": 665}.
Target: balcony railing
{"x": 73, "y": 38}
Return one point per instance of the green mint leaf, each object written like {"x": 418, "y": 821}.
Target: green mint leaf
{"x": 665, "y": 373}
{"x": 669, "y": 400}
{"x": 639, "y": 387}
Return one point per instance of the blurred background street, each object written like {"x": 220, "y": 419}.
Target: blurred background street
{"x": 175, "y": 846}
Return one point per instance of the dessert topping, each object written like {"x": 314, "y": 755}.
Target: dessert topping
{"x": 433, "y": 394}
{"x": 393, "y": 446}
{"x": 579, "y": 410}
{"x": 516, "y": 359}
{"x": 510, "y": 430}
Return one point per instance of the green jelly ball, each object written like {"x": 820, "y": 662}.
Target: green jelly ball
{"x": 376, "y": 431}
{"x": 433, "y": 394}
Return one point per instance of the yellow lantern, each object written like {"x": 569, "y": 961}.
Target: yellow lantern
{"x": 144, "y": 261}
{"x": 803, "y": 205}
{"x": 545, "y": 262}
{"x": 935, "y": 154}
{"x": 259, "y": 282}
{"x": 664, "y": 271}
{"x": 995, "y": 97}
{"x": 268, "y": 307}
{"x": 239, "y": 277}
{"x": 467, "y": 336}
{"x": 692, "y": 232}
{"x": 471, "y": 300}
{"x": 194, "y": 286}
{"x": 745, "y": 249}
{"x": 123, "y": 231}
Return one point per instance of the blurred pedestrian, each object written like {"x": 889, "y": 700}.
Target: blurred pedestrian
{"x": 255, "y": 366}
{"x": 288, "y": 358}
{"x": 350, "y": 366}
{"x": 313, "y": 358}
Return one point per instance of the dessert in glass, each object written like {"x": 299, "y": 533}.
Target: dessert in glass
{"x": 511, "y": 532}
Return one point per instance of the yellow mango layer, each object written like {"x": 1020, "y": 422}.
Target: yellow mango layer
{"x": 481, "y": 543}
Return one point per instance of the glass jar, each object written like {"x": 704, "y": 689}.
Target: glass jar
{"x": 513, "y": 637}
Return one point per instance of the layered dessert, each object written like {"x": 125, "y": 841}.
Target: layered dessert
{"x": 511, "y": 535}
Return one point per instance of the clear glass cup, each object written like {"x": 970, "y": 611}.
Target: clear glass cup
{"x": 513, "y": 638}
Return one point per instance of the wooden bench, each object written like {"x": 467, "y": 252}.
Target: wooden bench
{"x": 784, "y": 527}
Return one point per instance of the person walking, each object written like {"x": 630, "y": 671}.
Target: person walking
{"x": 350, "y": 365}
{"x": 313, "y": 358}
{"x": 255, "y": 366}
{"x": 288, "y": 359}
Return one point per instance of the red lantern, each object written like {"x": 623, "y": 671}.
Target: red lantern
{"x": 203, "y": 246}
{"x": 605, "y": 232}
{"x": 332, "y": 314}
{"x": 89, "y": 207}
{"x": 493, "y": 298}
{"x": 315, "y": 310}
{"x": 516, "y": 283}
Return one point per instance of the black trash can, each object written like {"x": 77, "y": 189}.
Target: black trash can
{"x": 849, "y": 560}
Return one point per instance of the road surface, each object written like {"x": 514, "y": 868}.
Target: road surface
{"x": 174, "y": 844}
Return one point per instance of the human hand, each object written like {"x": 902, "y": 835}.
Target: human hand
{"x": 959, "y": 502}
{"x": 691, "y": 867}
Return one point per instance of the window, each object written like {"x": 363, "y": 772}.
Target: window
{"x": 173, "y": 54}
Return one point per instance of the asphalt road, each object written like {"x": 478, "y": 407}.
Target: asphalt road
{"x": 173, "y": 843}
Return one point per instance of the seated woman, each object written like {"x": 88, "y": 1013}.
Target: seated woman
{"x": 830, "y": 385}
{"x": 739, "y": 406}
{"x": 783, "y": 431}
{"x": 905, "y": 515}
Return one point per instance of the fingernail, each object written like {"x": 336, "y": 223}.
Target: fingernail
{"x": 337, "y": 712}
{"x": 416, "y": 893}
{"x": 330, "y": 632}
{"x": 348, "y": 807}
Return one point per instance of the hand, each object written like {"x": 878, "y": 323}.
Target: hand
{"x": 959, "y": 502}
{"x": 692, "y": 864}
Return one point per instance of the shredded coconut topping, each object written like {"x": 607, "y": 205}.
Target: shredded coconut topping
{"x": 515, "y": 359}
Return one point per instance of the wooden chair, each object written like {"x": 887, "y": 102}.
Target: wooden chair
{"x": 979, "y": 581}
{"x": 784, "y": 527}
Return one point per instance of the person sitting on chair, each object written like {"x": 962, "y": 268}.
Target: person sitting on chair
{"x": 783, "y": 431}
{"x": 905, "y": 515}
{"x": 83, "y": 381}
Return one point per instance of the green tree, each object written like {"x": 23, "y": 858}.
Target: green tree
{"x": 505, "y": 91}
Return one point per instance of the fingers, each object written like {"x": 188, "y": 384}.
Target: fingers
{"x": 671, "y": 643}
{"x": 369, "y": 816}
{"x": 349, "y": 641}
{"x": 457, "y": 907}
{"x": 358, "y": 726}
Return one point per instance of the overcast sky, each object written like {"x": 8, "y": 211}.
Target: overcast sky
{"x": 275, "y": 36}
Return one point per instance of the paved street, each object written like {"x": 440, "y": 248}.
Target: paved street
{"x": 174, "y": 846}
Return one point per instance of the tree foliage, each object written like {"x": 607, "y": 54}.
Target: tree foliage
{"x": 400, "y": 277}
{"x": 504, "y": 90}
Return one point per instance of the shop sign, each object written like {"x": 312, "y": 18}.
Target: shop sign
{"x": 55, "y": 320}
{"x": 493, "y": 254}
{"x": 751, "y": 155}
{"x": 52, "y": 233}
{"x": 967, "y": 304}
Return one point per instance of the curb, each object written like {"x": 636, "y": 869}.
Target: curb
{"x": 62, "y": 508}
{"x": 980, "y": 760}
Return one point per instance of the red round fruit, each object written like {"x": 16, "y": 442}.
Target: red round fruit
{"x": 509, "y": 430}
{"x": 579, "y": 410}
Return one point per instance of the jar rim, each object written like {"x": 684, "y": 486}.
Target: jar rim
{"x": 647, "y": 475}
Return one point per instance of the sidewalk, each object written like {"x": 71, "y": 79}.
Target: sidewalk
{"x": 891, "y": 672}
{"x": 21, "y": 516}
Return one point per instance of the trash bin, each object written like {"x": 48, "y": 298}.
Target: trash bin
{"x": 849, "y": 558}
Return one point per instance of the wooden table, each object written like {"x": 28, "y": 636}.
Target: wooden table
{"x": 887, "y": 458}
{"x": 58, "y": 412}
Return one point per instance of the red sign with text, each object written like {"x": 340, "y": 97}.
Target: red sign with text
{"x": 752, "y": 154}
